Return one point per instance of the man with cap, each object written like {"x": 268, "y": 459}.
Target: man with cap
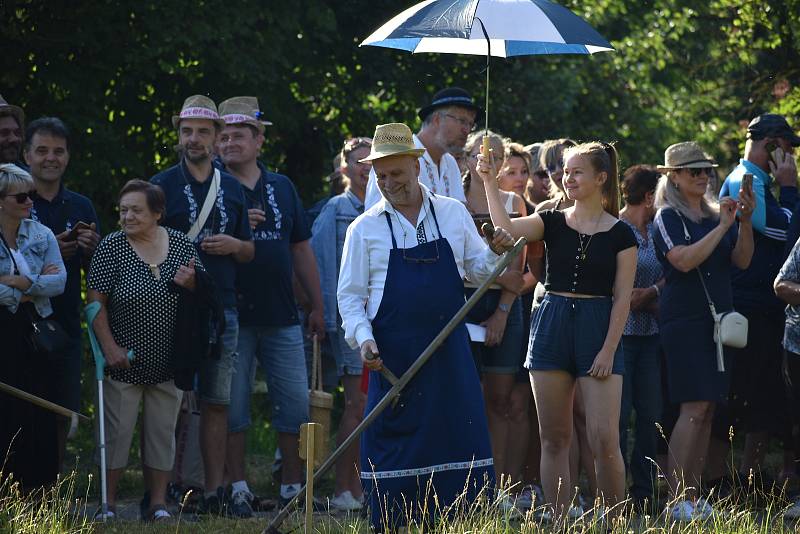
{"x": 72, "y": 218}
{"x": 270, "y": 329}
{"x": 209, "y": 206}
{"x": 446, "y": 123}
{"x": 403, "y": 263}
{"x": 12, "y": 123}
{"x": 758, "y": 403}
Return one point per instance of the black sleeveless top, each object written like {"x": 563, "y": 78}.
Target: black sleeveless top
{"x": 581, "y": 263}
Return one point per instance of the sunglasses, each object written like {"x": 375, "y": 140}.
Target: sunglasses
{"x": 21, "y": 198}
{"x": 695, "y": 172}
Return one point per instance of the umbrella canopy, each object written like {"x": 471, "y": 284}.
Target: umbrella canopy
{"x": 502, "y": 28}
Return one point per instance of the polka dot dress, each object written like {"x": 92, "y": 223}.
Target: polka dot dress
{"x": 142, "y": 309}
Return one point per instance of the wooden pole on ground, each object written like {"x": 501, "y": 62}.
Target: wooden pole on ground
{"x": 307, "y": 446}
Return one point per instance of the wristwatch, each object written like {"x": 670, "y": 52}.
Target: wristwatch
{"x": 504, "y": 307}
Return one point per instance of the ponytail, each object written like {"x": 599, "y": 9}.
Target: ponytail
{"x": 603, "y": 158}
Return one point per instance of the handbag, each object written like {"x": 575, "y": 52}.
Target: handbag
{"x": 46, "y": 335}
{"x": 730, "y": 328}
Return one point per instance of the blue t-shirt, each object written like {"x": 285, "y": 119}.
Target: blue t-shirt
{"x": 185, "y": 197}
{"x": 62, "y": 214}
{"x": 683, "y": 298}
{"x": 264, "y": 286}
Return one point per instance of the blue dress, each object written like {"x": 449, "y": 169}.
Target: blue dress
{"x": 433, "y": 447}
{"x": 685, "y": 322}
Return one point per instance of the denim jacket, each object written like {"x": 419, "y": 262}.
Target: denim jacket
{"x": 327, "y": 241}
{"x": 39, "y": 247}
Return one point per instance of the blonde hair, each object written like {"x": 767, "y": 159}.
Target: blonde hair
{"x": 549, "y": 153}
{"x": 603, "y": 158}
{"x": 11, "y": 174}
{"x": 516, "y": 150}
{"x": 669, "y": 196}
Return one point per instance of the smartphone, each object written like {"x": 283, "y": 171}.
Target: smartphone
{"x": 73, "y": 233}
{"x": 747, "y": 183}
{"x": 771, "y": 147}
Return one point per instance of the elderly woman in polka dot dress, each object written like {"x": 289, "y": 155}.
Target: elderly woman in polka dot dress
{"x": 135, "y": 275}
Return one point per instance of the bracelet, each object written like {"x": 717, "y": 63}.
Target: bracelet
{"x": 658, "y": 291}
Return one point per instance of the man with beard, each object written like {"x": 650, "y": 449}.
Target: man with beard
{"x": 73, "y": 220}
{"x": 328, "y": 232}
{"x": 12, "y": 121}
{"x": 270, "y": 326}
{"x": 446, "y": 123}
{"x": 223, "y": 240}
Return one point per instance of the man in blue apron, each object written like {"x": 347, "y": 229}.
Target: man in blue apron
{"x": 401, "y": 281}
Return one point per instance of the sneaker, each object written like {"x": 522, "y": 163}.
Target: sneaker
{"x": 241, "y": 505}
{"x": 703, "y": 510}
{"x": 277, "y": 467}
{"x": 214, "y": 505}
{"x": 144, "y": 506}
{"x": 159, "y": 514}
{"x": 793, "y": 512}
{"x": 682, "y": 511}
{"x": 345, "y": 502}
{"x": 525, "y": 498}
{"x": 506, "y": 503}
{"x": 575, "y": 512}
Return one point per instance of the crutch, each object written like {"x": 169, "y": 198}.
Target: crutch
{"x": 92, "y": 309}
{"x": 423, "y": 358}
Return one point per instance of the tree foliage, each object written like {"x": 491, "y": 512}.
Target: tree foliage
{"x": 117, "y": 71}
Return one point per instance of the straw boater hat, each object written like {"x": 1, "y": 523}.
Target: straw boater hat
{"x": 198, "y": 107}
{"x": 393, "y": 139}
{"x": 687, "y": 155}
{"x": 15, "y": 111}
{"x": 243, "y": 110}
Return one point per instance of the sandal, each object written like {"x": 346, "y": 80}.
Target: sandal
{"x": 110, "y": 515}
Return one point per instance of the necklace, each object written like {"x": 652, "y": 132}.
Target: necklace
{"x": 584, "y": 247}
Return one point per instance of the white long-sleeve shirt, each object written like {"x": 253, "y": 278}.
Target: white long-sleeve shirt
{"x": 443, "y": 179}
{"x": 365, "y": 259}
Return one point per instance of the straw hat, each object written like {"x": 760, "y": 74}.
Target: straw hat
{"x": 243, "y": 110}
{"x": 198, "y": 107}
{"x": 393, "y": 139}
{"x": 687, "y": 155}
{"x": 15, "y": 111}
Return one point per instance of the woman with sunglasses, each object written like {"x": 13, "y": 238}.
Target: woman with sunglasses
{"x": 31, "y": 272}
{"x": 697, "y": 240}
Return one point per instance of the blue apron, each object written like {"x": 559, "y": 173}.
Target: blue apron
{"x": 435, "y": 441}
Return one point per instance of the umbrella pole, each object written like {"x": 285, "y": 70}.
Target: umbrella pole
{"x": 485, "y": 148}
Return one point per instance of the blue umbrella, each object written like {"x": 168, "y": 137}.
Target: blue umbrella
{"x": 501, "y": 28}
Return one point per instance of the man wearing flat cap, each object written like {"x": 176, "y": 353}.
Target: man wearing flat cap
{"x": 209, "y": 206}
{"x": 12, "y": 124}
{"x": 758, "y": 403}
{"x": 446, "y": 123}
{"x": 401, "y": 281}
{"x": 269, "y": 326}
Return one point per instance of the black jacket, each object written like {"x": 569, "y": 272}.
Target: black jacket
{"x": 198, "y": 329}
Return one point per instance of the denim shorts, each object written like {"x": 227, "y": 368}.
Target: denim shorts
{"x": 214, "y": 377}
{"x": 507, "y": 357}
{"x": 567, "y": 333}
{"x": 279, "y": 352}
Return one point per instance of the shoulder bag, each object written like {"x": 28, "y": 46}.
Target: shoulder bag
{"x": 46, "y": 335}
{"x": 208, "y": 205}
{"x": 730, "y": 328}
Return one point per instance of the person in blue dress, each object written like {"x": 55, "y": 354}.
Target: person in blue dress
{"x": 694, "y": 237}
{"x": 400, "y": 282}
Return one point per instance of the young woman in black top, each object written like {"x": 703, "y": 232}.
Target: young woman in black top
{"x": 575, "y": 333}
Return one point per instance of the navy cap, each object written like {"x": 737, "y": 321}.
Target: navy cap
{"x": 772, "y": 125}
{"x": 452, "y": 96}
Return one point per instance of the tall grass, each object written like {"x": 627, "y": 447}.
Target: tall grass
{"x": 56, "y": 510}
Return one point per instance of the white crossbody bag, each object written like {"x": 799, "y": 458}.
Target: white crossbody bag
{"x": 205, "y": 211}
{"x": 730, "y": 328}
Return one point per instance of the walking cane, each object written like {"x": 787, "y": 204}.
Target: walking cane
{"x": 423, "y": 358}
{"x": 92, "y": 309}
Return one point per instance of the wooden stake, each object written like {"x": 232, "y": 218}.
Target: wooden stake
{"x": 307, "y": 445}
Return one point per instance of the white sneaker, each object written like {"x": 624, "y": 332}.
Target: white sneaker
{"x": 703, "y": 510}
{"x": 345, "y": 502}
{"x": 793, "y": 512}
{"x": 525, "y": 498}
{"x": 506, "y": 503}
{"x": 575, "y": 512}
{"x": 682, "y": 511}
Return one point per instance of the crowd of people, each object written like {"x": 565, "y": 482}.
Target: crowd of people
{"x": 608, "y": 333}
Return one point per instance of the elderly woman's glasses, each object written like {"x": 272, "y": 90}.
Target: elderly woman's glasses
{"x": 21, "y": 198}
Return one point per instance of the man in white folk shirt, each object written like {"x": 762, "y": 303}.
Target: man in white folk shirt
{"x": 446, "y": 123}
{"x": 400, "y": 282}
